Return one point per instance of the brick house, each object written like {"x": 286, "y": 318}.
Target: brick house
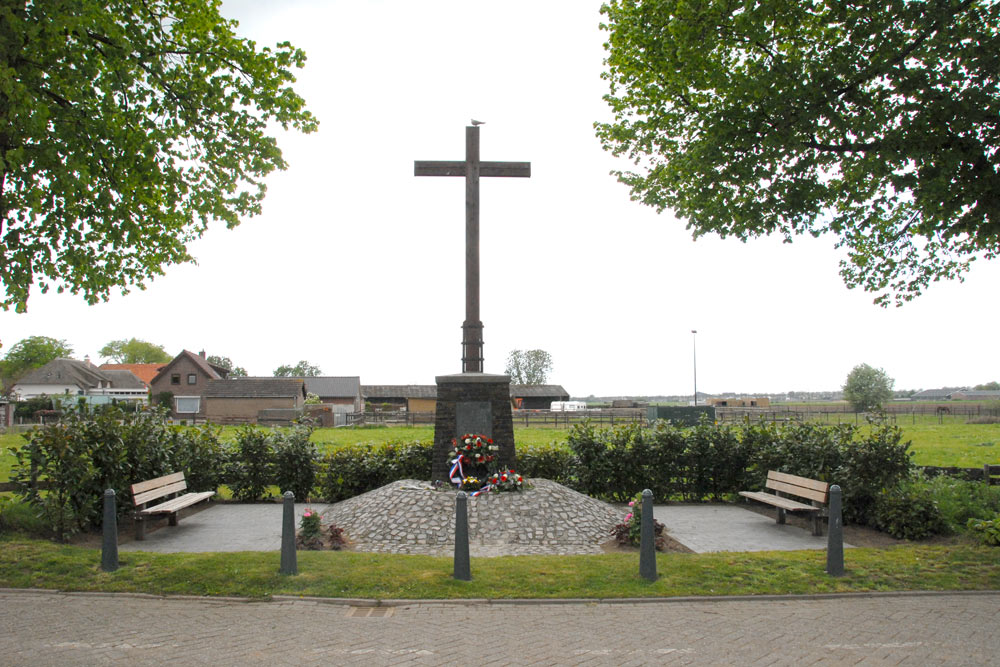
{"x": 243, "y": 400}
{"x": 185, "y": 379}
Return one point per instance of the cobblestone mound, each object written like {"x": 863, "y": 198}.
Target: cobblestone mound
{"x": 410, "y": 517}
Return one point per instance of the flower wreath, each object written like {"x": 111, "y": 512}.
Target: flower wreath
{"x": 474, "y": 448}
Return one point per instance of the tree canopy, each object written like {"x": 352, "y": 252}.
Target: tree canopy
{"x": 134, "y": 351}
{"x": 30, "y": 353}
{"x": 227, "y": 363}
{"x": 867, "y": 388}
{"x": 126, "y": 126}
{"x": 301, "y": 369}
{"x": 529, "y": 366}
{"x": 877, "y": 122}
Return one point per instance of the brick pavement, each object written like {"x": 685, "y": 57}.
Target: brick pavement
{"x": 45, "y": 628}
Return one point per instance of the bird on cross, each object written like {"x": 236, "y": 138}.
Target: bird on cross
{"x": 477, "y": 122}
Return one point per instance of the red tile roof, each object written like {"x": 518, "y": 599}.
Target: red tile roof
{"x": 145, "y": 372}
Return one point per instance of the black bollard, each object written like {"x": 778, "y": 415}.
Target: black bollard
{"x": 835, "y": 536}
{"x": 647, "y": 540}
{"x": 289, "y": 564}
{"x": 109, "y": 548}
{"x": 463, "y": 569}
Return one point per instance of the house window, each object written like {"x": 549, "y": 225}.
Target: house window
{"x": 175, "y": 378}
{"x": 192, "y": 378}
{"x": 187, "y": 404}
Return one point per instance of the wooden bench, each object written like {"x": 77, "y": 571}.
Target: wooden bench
{"x": 783, "y": 485}
{"x": 991, "y": 474}
{"x": 167, "y": 486}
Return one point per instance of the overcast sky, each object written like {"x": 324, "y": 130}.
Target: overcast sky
{"x": 358, "y": 267}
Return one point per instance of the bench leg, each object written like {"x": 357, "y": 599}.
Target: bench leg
{"x": 781, "y": 515}
{"x": 817, "y": 524}
{"x": 172, "y": 520}
{"x": 140, "y": 528}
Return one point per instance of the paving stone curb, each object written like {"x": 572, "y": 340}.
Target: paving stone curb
{"x": 375, "y": 602}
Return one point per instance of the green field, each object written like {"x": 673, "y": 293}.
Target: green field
{"x": 948, "y": 442}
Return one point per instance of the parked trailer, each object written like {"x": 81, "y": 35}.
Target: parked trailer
{"x": 568, "y": 406}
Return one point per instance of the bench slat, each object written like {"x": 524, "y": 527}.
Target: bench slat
{"x": 140, "y": 487}
{"x": 802, "y": 492}
{"x": 178, "y": 503}
{"x": 778, "y": 501}
{"x": 160, "y": 492}
{"x": 814, "y": 484}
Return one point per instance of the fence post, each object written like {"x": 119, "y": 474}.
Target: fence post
{"x": 835, "y": 536}
{"x": 463, "y": 570}
{"x": 109, "y": 546}
{"x": 289, "y": 564}
{"x": 647, "y": 540}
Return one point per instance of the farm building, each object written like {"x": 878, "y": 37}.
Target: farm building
{"x": 250, "y": 399}
{"x": 409, "y": 397}
{"x": 536, "y": 396}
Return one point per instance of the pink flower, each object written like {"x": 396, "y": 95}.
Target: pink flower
{"x": 628, "y": 517}
{"x": 631, "y": 503}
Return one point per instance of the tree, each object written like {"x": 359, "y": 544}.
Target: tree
{"x": 876, "y": 122}
{"x": 126, "y": 126}
{"x": 134, "y": 351}
{"x": 227, "y": 363}
{"x": 528, "y": 366}
{"x": 867, "y": 388}
{"x": 301, "y": 369}
{"x": 30, "y": 353}
{"x": 989, "y": 386}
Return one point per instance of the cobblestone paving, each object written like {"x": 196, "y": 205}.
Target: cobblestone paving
{"x": 408, "y": 517}
{"x": 41, "y": 628}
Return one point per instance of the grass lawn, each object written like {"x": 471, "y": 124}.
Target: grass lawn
{"x": 28, "y": 563}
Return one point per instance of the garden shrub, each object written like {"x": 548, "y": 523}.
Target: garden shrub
{"x": 961, "y": 500}
{"x": 295, "y": 461}
{"x": 251, "y": 463}
{"x": 355, "y": 469}
{"x": 549, "y": 461}
{"x": 58, "y": 455}
{"x": 906, "y": 512}
{"x": 199, "y": 453}
{"x": 987, "y": 530}
{"x": 871, "y": 464}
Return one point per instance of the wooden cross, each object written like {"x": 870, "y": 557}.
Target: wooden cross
{"x": 472, "y": 169}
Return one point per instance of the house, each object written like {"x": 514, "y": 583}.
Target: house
{"x": 145, "y": 372}
{"x": 181, "y": 383}
{"x": 337, "y": 391}
{"x": 70, "y": 380}
{"x": 536, "y": 396}
{"x": 254, "y": 399}
{"x": 409, "y": 397}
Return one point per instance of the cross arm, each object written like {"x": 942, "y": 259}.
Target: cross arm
{"x": 457, "y": 168}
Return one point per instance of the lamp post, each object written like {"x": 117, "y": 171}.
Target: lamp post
{"x": 694, "y": 352}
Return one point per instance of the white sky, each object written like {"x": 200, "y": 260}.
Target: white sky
{"x": 358, "y": 267}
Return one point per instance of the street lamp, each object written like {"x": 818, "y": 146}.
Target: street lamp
{"x": 694, "y": 352}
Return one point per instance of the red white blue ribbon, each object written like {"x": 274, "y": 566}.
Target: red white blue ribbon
{"x": 457, "y": 466}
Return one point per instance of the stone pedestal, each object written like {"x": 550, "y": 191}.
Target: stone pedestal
{"x": 472, "y": 403}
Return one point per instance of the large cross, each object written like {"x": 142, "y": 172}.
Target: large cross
{"x": 471, "y": 169}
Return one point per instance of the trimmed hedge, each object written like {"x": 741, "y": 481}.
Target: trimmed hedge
{"x": 85, "y": 454}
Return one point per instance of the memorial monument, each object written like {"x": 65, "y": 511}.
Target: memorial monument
{"x": 472, "y": 401}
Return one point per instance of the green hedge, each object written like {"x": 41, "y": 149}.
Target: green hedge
{"x": 85, "y": 454}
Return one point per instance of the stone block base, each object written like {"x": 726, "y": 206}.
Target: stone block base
{"x": 472, "y": 403}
